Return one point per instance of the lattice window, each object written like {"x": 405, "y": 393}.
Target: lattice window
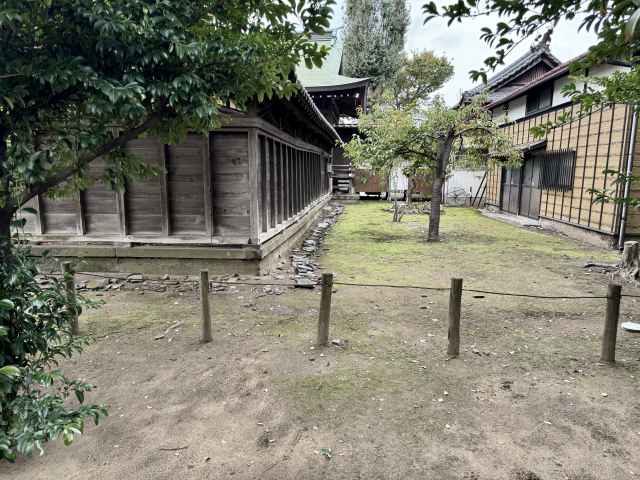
{"x": 557, "y": 169}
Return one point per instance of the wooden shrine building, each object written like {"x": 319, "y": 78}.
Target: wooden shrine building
{"x": 234, "y": 200}
{"x": 339, "y": 98}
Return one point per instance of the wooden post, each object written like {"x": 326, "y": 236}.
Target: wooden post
{"x": 325, "y": 309}
{"x": 204, "y": 300}
{"x": 70, "y": 287}
{"x": 611, "y": 324}
{"x": 455, "y": 307}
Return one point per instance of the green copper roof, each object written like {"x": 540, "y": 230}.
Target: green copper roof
{"x": 329, "y": 74}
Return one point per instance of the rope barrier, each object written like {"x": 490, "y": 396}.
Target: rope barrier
{"x": 416, "y": 287}
{"x": 380, "y": 285}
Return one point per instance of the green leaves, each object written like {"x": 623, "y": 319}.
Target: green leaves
{"x": 616, "y": 24}
{"x": 6, "y": 304}
{"x": 34, "y": 335}
{"x": 86, "y": 72}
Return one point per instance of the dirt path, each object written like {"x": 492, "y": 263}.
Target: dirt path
{"x": 526, "y": 400}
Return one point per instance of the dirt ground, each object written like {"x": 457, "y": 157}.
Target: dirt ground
{"x": 526, "y": 400}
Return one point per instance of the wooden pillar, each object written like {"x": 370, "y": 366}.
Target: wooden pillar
{"x": 277, "y": 208}
{"x": 285, "y": 182}
{"x": 280, "y": 176}
{"x": 122, "y": 210}
{"x": 204, "y": 301}
{"x": 608, "y": 354}
{"x": 263, "y": 184}
{"x": 325, "y": 309}
{"x": 299, "y": 181}
{"x": 255, "y": 186}
{"x": 273, "y": 204}
{"x": 267, "y": 184}
{"x": 164, "y": 188}
{"x": 455, "y": 307}
{"x": 39, "y": 218}
{"x": 80, "y": 223}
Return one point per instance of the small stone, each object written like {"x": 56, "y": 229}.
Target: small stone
{"x": 135, "y": 278}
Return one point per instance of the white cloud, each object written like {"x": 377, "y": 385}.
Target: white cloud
{"x": 461, "y": 43}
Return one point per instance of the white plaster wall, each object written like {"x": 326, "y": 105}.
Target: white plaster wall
{"x": 462, "y": 185}
{"x": 517, "y": 108}
{"x": 398, "y": 181}
{"x": 603, "y": 70}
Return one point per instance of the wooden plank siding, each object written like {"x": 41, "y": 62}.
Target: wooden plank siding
{"x": 239, "y": 185}
{"x": 599, "y": 140}
{"x": 294, "y": 182}
{"x": 231, "y": 196}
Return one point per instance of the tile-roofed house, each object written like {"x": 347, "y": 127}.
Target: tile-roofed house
{"x": 555, "y": 183}
{"x": 530, "y": 66}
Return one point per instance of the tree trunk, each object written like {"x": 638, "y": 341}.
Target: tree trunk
{"x": 409, "y": 191}
{"x": 6, "y": 202}
{"x": 444, "y": 152}
{"x": 631, "y": 261}
{"x": 434, "y": 216}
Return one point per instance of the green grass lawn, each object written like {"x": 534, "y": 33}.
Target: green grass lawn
{"x": 366, "y": 245}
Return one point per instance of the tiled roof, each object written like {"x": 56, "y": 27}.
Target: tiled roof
{"x": 555, "y": 72}
{"x": 529, "y": 59}
{"x": 328, "y": 75}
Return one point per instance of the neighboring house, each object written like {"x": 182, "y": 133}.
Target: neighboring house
{"x": 230, "y": 201}
{"x": 555, "y": 181}
{"x": 339, "y": 98}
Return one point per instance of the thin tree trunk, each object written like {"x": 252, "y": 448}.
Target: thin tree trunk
{"x": 444, "y": 152}
{"x": 409, "y": 191}
{"x": 434, "y": 216}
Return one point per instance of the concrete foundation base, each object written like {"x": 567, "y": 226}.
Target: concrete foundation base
{"x": 176, "y": 260}
{"x": 582, "y": 234}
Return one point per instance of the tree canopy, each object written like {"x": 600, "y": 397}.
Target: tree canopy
{"x": 375, "y": 32}
{"x": 434, "y": 138}
{"x": 518, "y": 20}
{"x": 80, "y": 78}
{"x": 419, "y": 75}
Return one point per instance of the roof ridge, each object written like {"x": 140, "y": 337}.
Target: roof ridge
{"x": 534, "y": 53}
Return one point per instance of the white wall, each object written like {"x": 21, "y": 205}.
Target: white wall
{"x": 518, "y": 106}
{"x": 603, "y": 70}
{"x": 462, "y": 185}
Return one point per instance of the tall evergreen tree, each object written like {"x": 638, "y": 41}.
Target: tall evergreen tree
{"x": 375, "y": 32}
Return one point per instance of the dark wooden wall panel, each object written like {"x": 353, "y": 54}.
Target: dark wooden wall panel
{"x": 59, "y": 214}
{"x": 230, "y": 172}
{"x": 185, "y": 179}
{"x": 143, "y": 197}
{"x": 100, "y": 203}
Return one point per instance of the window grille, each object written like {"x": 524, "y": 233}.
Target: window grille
{"x": 557, "y": 169}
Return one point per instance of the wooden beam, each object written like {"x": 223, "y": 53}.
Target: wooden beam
{"x": 255, "y": 176}
{"x": 285, "y": 181}
{"x": 264, "y": 203}
{"x": 281, "y": 183}
{"x": 38, "y": 217}
{"x": 267, "y": 163}
{"x": 80, "y": 223}
{"x": 277, "y": 213}
{"x": 207, "y": 184}
{"x": 164, "y": 153}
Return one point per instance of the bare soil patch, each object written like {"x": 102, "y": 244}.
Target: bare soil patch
{"x": 526, "y": 400}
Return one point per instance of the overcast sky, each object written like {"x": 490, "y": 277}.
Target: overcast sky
{"x": 462, "y": 45}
